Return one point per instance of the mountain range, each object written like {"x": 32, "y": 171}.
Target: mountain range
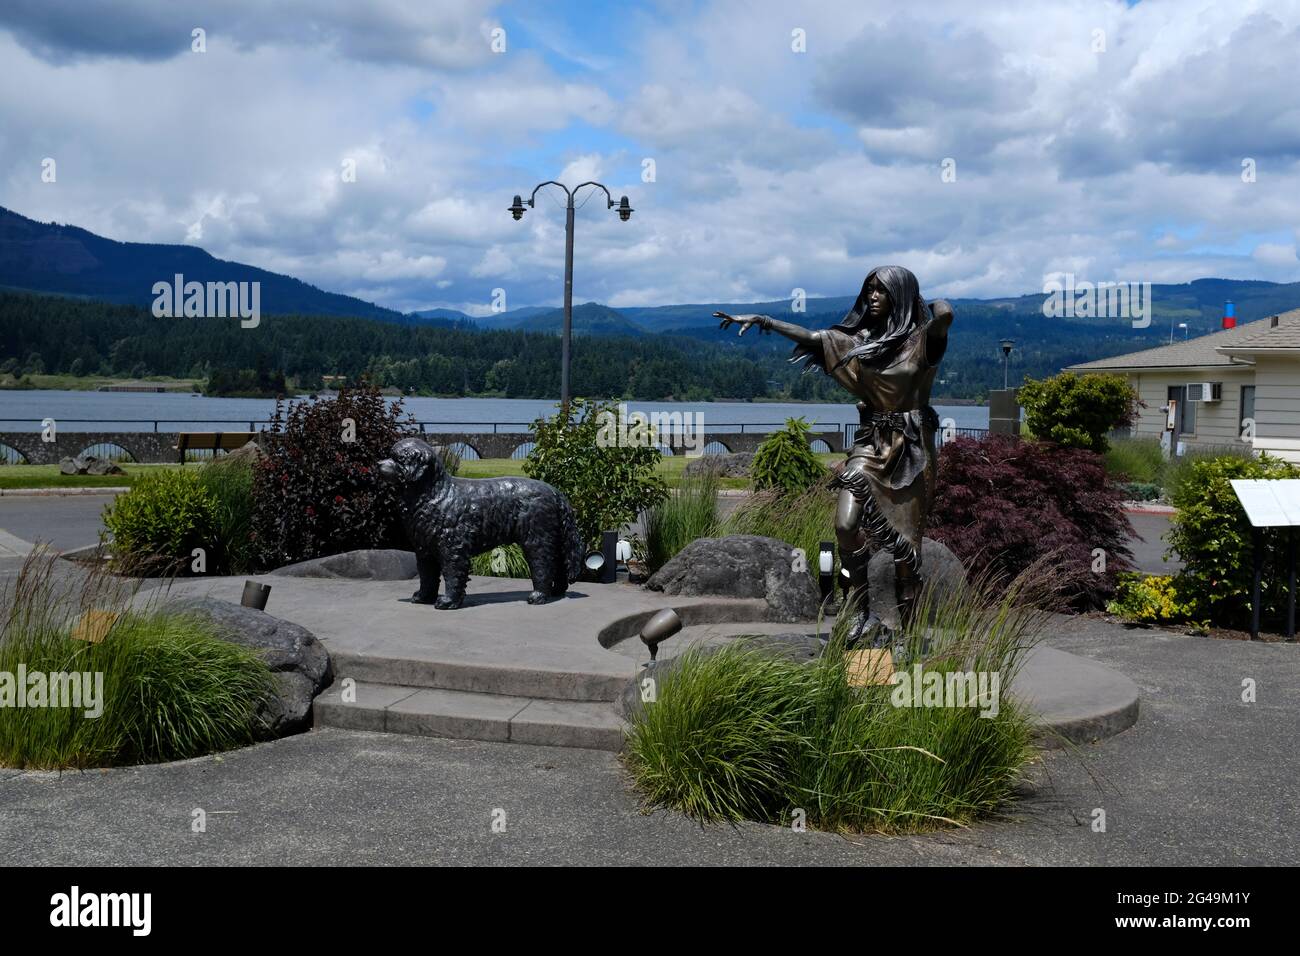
{"x": 70, "y": 261}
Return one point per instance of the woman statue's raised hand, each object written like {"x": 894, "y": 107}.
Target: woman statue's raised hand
{"x": 744, "y": 321}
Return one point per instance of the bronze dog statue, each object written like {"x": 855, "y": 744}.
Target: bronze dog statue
{"x": 449, "y": 520}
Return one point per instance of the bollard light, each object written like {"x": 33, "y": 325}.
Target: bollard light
{"x": 624, "y": 551}
{"x": 826, "y": 568}
{"x": 255, "y": 595}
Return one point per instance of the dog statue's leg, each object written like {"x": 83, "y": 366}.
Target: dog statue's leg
{"x": 430, "y": 571}
{"x": 541, "y": 568}
{"x": 456, "y": 575}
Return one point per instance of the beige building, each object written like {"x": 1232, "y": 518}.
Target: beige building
{"x": 1222, "y": 383}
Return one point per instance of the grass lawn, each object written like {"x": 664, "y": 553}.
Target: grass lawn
{"x": 48, "y": 476}
{"x": 671, "y": 468}
{"x": 92, "y": 382}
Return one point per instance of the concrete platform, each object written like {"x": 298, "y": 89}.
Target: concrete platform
{"x": 500, "y": 669}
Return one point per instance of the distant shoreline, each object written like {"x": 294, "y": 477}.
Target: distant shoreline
{"x": 91, "y": 383}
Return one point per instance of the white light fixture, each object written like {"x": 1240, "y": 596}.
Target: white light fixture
{"x": 826, "y": 568}
{"x": 624, "y": 551}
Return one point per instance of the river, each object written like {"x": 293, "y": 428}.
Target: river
{"x": 179, "y": 411}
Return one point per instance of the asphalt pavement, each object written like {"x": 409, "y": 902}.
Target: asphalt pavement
{"x": 1203, "y": 778}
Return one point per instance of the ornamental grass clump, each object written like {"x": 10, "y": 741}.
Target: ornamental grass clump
{"x": 158, "y": 685}
{"x": 743, "y": 733}
{"x": 689, "y": 513}
{"x": 800, "y": 520}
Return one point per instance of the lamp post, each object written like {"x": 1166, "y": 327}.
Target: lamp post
{"x": 1183, "y": 326}
{"x": 517, "y": 210}
{"x": 1007, "y": 345}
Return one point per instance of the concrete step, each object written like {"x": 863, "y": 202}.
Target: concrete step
{"x": 464, "y": 715}
{"x": 509, "y": 678}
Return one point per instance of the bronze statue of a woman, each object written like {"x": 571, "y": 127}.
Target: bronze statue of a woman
{"x": 885, "y": 351}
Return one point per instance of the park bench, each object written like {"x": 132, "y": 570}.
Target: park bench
{"x": 211, "y": 441}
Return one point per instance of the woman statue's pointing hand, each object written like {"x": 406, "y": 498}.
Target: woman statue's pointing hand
{"x": 744, "y": 321}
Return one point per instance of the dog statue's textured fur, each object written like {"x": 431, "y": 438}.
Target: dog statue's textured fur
{"x": 449, "y": 520}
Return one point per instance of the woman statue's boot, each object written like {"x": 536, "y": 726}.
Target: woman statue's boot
{"x": 907, "y": 585}
{"x": 857, "y": 596}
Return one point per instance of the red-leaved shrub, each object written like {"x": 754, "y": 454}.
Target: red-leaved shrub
{"x": 316, "y": 491}
{"x": 1003, "y": 503}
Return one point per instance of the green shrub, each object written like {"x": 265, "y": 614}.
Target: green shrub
{"x": 1135, "y": 460}
{"x": 1179, "y": 469}
{"x": 156, "y": 526}
{"x": 737, "y": 733}
{"x": 229, "y": 483}
{"x": 171, "y": 688}
{"x": 801, "y": 521}
{"x": 316, "y": 490}
{"x": 1139, "y": 491}
{"x": 1151, "y": 599}
{"x": 1078, "y": 410}
{"x": 1212, "y": 536}
{"x": 608, "y": 480}
{"x": 690, "y": 513}
{"x": 785, "y": 461}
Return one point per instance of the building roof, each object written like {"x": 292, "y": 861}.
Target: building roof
{"x": 1225, "y": 348}
{"x": 1284, "y": 335}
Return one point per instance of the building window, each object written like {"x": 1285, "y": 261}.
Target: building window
{"x": 1247, "y": 411}
{"x": 1185, "y": 417}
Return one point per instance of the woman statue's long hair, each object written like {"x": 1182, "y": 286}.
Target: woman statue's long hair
{"x": 908, "y": 310}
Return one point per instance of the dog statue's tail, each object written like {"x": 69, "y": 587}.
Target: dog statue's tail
{"x": 571, "y": 542}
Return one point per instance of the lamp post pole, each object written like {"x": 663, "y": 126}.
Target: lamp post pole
{"x": 1007, "y": 346}
{"x": 517, "y": 210}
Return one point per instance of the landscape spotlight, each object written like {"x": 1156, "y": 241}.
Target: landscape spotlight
{"x": 517, "y": 210}
{"x": 826, "y": 568}
{"x": 659, "y": 628}
{"x": 594, "y": 561}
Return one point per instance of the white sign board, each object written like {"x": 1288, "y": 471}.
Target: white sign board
{"x": 1269, "y": 502}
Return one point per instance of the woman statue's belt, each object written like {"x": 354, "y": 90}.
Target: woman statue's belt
{"x": 897, "y": 421}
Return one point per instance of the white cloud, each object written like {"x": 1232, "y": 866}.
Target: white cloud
{"x": 774, "y": 169}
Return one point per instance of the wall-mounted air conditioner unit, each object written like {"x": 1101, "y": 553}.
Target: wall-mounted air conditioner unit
{"x": 1204, "y": 391}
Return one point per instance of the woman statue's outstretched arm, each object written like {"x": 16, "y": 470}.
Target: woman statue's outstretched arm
{"x": 795, "y": 333}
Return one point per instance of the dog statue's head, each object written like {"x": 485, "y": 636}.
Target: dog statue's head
{"x": 413, "y": 461}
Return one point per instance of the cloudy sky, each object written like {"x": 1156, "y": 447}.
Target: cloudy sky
{"x": 791, "y": 145}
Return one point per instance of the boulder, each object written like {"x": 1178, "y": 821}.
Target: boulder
{"x": 940, "y": 569}
{"x": 377, "y": 564}
{"x": 249, "y": 452}
{"x": 300, "y": 663}
{"x": 88, "y": 465}
{"x": 102, "y": 466}
{"x": 742, "y": 566}
{"x": 733, "y": 465}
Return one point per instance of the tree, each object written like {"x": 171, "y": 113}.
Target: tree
{"x": 604, "y": 465}
{"x": 785, "y": 461}
{"x": 1077, "y": 411}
